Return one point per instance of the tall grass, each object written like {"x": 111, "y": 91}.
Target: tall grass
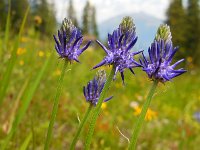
{"x": 16, "y": 104}
{"x": 28, "y": 94}
{"x": 7, "y": 31}
{"x": 9, "y": 68}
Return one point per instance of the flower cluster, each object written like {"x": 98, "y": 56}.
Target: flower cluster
{"x": 94, "y": 88}
{"x": 120, "y": 43}
{"x": 118, "y": 54}
{"x": 161, "y": 52}
{"x": 69, "y": 41}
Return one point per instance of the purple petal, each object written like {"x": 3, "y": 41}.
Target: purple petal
{"x": 145, "y": 60}
{"x": 120, "y": 40}
{"x": 179, "y": 71}
{"x": 166, "y": 77}
{"x": 100, "y": 64}
{"x": 178, "y": 62}
{"x": 109, "y": 98}
{"x": 172, "y": 54}
{"x": 56, "y": 40}
{"x": 132, "y": 71}
{"x": 84, "y": 91}
{"x": 103, "y": 47}
{"x": 150, "y": 55}
{"x": 84, "y": 48}
{"x": 77, "y": 40}
{"x": 122, "y": 76}
{"x": 131, "y": 44}
{"x": 135, "y": 53}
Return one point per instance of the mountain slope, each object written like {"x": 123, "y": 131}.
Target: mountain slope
{"x": 146, "y": 27}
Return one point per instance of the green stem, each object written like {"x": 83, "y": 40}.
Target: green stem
{"x": 55, "y": 106}
{"x": 80, "y": 127}
{"x": 97, "y": 109}
{"x": 140, "y": 121}
{"x": 7, "y": 25}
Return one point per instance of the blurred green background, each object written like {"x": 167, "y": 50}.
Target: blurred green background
{"x": 173, "y": 120}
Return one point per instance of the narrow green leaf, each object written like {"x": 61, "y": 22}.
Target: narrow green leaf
{"x": 16, "y": 104}
{"x": 25, "y": 103}
{"x": 7, "y": 25}
{"x": 12, "y": 60}
{"x": 26, "y": 142}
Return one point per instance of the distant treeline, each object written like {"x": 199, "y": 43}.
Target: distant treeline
{"x": 185, "y": 28}
{"x": 42, "y": 16}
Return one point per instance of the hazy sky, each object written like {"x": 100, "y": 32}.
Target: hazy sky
{"x": 109, "y": 8}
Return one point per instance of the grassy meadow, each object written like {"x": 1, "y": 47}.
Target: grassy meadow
{"x": 34, "y": 71}
{"x": 170, "y": 123}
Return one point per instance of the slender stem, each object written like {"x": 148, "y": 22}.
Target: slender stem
{"x": 55, "y": 106}
{"x": 7, "y": 26}
{"x": 80, "y": 127}
{"x": 141, "y": 118}
{"x": 97, "y": 110}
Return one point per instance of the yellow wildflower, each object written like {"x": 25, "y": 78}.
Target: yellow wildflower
{"x": 103, "y": 106}
{"x": 21, "y": 62}
{"x": 137, "y": 110}
{"x": 149, "y": 115}
{"x": 21, "y": 51}
{"x": 40, "y": 53}
{"x": 38, "y": 20}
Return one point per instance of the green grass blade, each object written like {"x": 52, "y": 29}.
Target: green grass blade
{"x": 7, "y": 26}
{"x": 12, "y": 60}
{"x": 15, "y": 107}
{"x": 26, "y": 142}
{"x": 25, "y": 103}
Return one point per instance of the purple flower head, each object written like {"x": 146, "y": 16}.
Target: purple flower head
{"x": 161, "y": 52}
{"x": 120, "y": 43}
{"x": 69, "y": 41}
{"x": 94, "y": 88}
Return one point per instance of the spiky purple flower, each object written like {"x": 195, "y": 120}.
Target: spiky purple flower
{"x": 161, "y": 52}
{"x": 69, "y": 41}
{"x": 94, "y": 88}
{"x": 120, "y": 43}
